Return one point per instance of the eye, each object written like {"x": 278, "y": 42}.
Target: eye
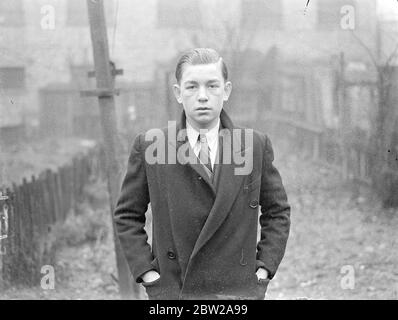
{"x": 191, "y": 87}
{"x": 213, "y": 86}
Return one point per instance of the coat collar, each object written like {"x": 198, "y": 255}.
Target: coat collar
{"x": 228, "y": 130}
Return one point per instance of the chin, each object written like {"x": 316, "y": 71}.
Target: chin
{"x": 205, "y": 119}
{"x": 205, "y": 122}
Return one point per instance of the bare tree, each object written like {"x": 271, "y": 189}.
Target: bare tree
{"x": 383, "y": 126}
{"x": 228, "y": 33}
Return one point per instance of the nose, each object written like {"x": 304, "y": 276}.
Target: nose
{"x": 202, "y": 95}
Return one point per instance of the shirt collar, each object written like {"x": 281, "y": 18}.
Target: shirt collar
{"x": 211, "y": 135}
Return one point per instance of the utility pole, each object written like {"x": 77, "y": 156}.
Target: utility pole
{"x": 344, "y": 115}
{"x": 105, "y": 73}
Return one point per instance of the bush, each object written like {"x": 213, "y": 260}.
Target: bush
{"x": 91, "y": 225}
{"x": 90, "y": 221}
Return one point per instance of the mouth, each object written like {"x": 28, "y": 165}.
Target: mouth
{"x": 203, "y": 109}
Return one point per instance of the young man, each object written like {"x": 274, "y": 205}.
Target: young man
{"x": 205, "y": 183}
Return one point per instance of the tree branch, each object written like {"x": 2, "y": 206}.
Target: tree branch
{"x": 392, "y": 55}
{"x": 363, "y": 45}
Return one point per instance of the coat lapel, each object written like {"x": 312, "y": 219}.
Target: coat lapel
{"x": 182, "y": 141}
{"x": 229, "y": 187}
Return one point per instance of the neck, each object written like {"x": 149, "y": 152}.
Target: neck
{"x": 207, "y": 126}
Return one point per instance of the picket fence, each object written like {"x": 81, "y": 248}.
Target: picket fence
{"x": 30, "y": 211}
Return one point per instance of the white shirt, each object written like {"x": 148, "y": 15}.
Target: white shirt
{"x": 212, "y": 140}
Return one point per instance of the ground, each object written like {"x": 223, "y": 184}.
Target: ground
{"x": 342, "y": 245}
{"x": 335, "y": 234}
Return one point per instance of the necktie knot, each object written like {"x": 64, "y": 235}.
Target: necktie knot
{"x": 202, "y": 138}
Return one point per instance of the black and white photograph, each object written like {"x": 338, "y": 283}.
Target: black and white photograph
{"x": 201, "y": 150}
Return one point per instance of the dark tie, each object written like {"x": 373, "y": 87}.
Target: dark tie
{"x": 204, "y": 152}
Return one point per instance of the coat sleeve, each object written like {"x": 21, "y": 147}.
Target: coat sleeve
{"x": 275, "y": 215}
{"x": 129, "y": 214}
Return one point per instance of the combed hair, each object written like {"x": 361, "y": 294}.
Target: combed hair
{"x": 200, "y": 56}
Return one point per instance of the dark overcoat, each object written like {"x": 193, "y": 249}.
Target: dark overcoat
{"x": 215, "y": 258}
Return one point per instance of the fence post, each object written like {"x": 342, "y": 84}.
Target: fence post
{"x": 4, "y": 233}
{"x": 36, "y": 228}
{"x": 55, "y": 192}
{"x": 15, "y": 235}
{"x": 51, "y": 196}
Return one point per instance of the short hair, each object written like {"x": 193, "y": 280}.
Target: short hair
{"x": 200, "y": 56}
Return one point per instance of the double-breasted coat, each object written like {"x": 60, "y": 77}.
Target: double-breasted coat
{"x": 204, "y": 239}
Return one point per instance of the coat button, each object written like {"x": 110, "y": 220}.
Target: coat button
{"x": 171, "y": 255}
{"x": 199, "y": 178}
{"x": 253, "y": 204}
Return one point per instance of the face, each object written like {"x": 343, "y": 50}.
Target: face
{"x": 202, "y": 92}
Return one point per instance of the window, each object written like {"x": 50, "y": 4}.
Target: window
{"x": 179, "y": 14}
{"x": 261, "y": 14}
{"x": 77, "y": 13}
{"x": 11, "y": 13}
{"x": 329, "y": 12}
{"x": 12, "y": 77}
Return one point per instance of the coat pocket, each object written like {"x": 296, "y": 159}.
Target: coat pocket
{"x": 262, "y": 285}
{"x": 153, "y": 288}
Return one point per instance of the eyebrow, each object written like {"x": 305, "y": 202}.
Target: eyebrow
{"x": 190, "y": 82}
{"x": 195, "y": 82}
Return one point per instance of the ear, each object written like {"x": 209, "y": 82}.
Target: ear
{"x": 177, "y": 92}
{"x": 227, "y": 90}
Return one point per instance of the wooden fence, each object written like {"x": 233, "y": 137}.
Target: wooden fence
{"x": 29, "y": 212}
